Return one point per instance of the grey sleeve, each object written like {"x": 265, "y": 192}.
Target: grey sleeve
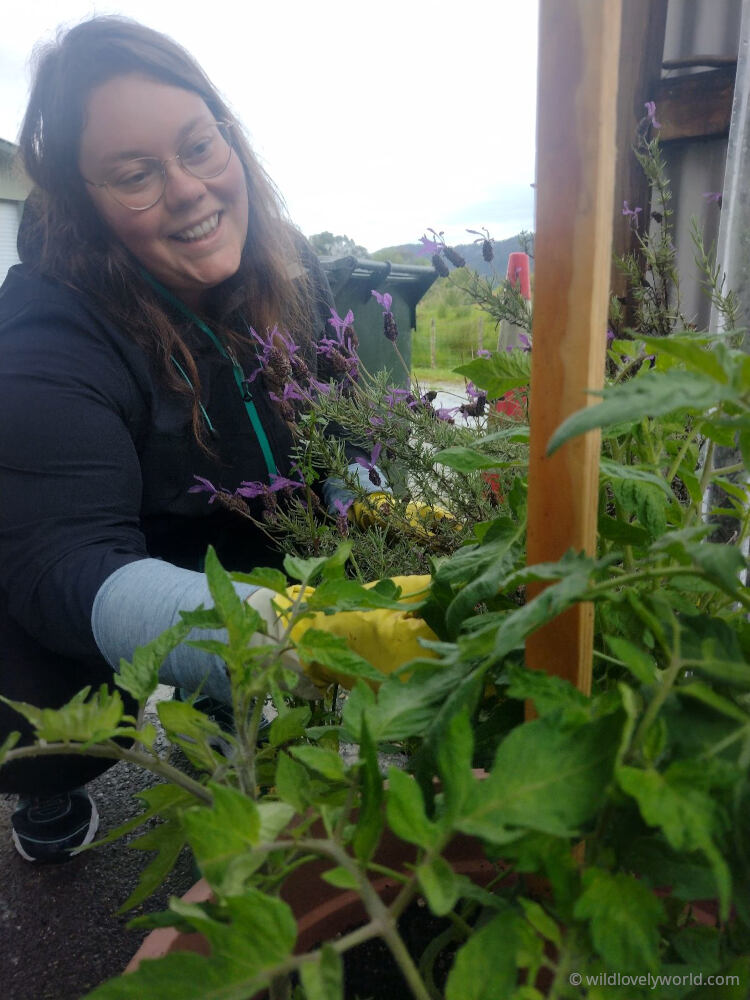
{"x": 141, "y": 600}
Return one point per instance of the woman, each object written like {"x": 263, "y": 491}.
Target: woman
{"x": 156, "y": 266}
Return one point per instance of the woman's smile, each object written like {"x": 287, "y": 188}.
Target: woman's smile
{"x": 200, "y": 231}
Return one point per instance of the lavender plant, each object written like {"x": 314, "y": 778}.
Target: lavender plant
{"x": 422, "y": 509}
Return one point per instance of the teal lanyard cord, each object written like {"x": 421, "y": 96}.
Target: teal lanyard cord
{"x": 239, "y": 375}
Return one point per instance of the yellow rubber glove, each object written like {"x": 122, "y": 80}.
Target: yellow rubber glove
{"x": 385, "y": 637}
{"x": 375, "y": 509}
{"x": 378, "y": 508}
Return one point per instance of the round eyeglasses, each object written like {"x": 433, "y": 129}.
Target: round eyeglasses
{"x": 139, "y": 183}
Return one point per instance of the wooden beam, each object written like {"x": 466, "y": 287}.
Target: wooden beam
{"x": 643, "y": 26}
{"x": 697, "y": 105}
{"x": 576, "y": 127}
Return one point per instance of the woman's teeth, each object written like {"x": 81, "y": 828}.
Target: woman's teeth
{"x": 199, "y": 231}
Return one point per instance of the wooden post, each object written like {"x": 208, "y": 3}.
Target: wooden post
{"x": 576, "y": 120}
{"x": 432, "y": 343}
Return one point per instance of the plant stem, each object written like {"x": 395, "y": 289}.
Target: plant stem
{"x": 382, "y": 918}
{"x": 672, "y": 471}
{"x": 706, "y": 473}
{"x": 728, "y": 470}
{"x": 657, "y": 573}
{"x": 114, "y": 751}
{"x": 668, "y": 678}
{"x": 562, "y": 969}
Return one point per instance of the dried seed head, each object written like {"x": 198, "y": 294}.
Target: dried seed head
{"x": 477, "y": 408}
{"x": 287, "y": 411}
{"x": 487, "y": 252}
{"x": 374, "y": 477}
{"x": 454, "y": 257}
{"x": 389, "y": 327}
{"x": 300, "y": 369}
{"x": 269, "y": 502}
{"x": 338, "y": 361}
{"x": 350, "y": 339}
{"x": 440, "y": 266}
{"x": 342, "y": 525}
{"x": 277, "y": 366}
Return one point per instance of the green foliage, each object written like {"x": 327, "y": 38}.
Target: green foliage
{"x": 624, "y": 920}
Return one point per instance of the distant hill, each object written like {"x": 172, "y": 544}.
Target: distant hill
{"x": 408, "y": 253}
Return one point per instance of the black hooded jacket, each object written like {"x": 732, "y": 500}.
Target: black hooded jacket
{"x": 97, "y": 458}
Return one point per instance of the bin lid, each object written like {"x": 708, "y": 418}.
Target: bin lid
{"x": 410, "y": 281}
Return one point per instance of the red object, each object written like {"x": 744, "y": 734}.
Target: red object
{"x": 518, "y": 273}
{"x": 509, "y": 404}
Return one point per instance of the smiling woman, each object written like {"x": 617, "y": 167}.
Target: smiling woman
{"x": 155, "y": 259}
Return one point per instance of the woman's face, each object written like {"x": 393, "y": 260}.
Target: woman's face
{"x": 134, "y": 116}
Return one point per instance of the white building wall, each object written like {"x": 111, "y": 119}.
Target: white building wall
{"x": 10, "y": 217}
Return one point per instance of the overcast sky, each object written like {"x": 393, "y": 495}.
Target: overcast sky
{"x": 374, "y": 120}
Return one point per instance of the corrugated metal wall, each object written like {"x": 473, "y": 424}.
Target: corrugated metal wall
{"x": 697, "y": 28}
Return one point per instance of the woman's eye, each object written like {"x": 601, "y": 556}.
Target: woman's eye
{"x": 198, "y": 149}
{"x": 134, "y": 179}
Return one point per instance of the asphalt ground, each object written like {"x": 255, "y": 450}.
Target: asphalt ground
{"x": 60, "y": 934}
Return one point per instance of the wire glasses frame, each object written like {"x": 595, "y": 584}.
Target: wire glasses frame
{"x": 142, "y": 181}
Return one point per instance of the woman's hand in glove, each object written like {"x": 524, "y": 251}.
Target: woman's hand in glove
{"x": 385, "y": 637}
{"x": 378, "y": 508}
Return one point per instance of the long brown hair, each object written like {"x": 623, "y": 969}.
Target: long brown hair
{"x": 66, "y": 238}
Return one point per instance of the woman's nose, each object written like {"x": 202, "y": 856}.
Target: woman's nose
{"x": 181, "y": 186}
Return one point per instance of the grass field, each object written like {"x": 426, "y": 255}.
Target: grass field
{"x": 461, "y": 329}
{"x": 427, "y": 377}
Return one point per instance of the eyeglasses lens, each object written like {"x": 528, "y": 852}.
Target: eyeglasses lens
{"x": 140, "y": 183}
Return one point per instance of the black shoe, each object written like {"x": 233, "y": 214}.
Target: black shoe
{"x": 47, "y": 829}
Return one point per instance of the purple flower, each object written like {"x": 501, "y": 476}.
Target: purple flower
{"x": 395, "y": 396}
{"x": 283, "y": 483}
{"x": 429, "y": 247}
{"x": 370, "y": 464}
{"x": 342, "y": 510}
{"x": 479, "y": 401}
{"x": 205, "y": 486}
{"x": 633, "y": 212}
{"x": 384, "y": 300}
{"x": 446, "y": 413}
{"x": 251, "y": 490}
{"x": 342, "y": 506}
{"x": 324, "y": 388}
{"x": 610, "y": 336}
{"x": 713, "y": 196}
{"x": 276, "y": 348}
{"x": 377, "y": 421}
{"x": 650, "y": 107}
{"x": 390, "y": 329}
{"x": 344, "y": 341}
{"x": 482, "y": 353}
{"x": 291, "y": 391}
{"x": 524, "y": 341}
{"x": 340, "y": 325}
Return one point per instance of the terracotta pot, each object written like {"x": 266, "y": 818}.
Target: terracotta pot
{"x": 323, "y": 911}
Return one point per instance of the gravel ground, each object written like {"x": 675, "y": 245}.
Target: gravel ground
{"x": 60, "y": 935}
